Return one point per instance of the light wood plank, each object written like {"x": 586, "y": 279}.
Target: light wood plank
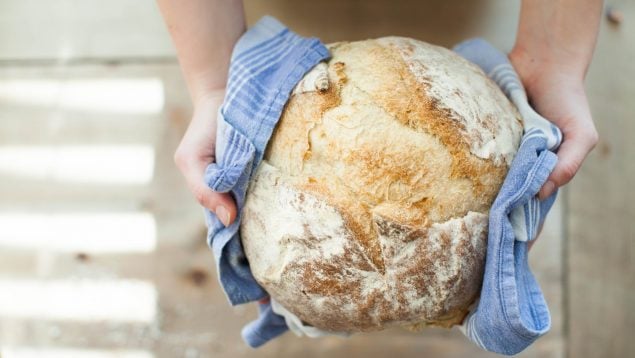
{"x": 65, "y": 30}
{"x": 601, "y": 204}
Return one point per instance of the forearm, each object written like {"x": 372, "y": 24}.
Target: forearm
{"x": 204, "y": 33}
{"x": 557, "y": 35}
{"x": 553, "y": 50}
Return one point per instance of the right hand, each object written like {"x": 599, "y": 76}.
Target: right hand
{"x": 196, "y": 152}
{"x": 559, "y": 96}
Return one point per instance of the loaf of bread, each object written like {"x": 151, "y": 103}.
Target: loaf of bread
{"x": 370, "y": 208}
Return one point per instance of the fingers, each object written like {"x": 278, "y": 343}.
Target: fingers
{"x": 222, "y": 204}
{"x": 576, "y": 146}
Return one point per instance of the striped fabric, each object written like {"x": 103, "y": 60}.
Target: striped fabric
{"x": 525, "y": 219}
{"x": 512, "y": 312}
{"x": 267, "y": 62}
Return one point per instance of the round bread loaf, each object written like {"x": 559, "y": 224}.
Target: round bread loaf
{"x": 370, "y": 208}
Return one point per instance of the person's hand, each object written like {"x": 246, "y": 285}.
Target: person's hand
{"x": 559, "y": 95}
{"x": 196, "y": 152}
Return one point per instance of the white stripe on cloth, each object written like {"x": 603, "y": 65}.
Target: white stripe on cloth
{"x": 505, "y": 76}
{"x": 246, "y": 76}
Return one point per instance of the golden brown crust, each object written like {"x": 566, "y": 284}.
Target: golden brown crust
{"x": 392, "y": 198}
{"x": 418, "y": 111}
{"x": 328, "y": 280}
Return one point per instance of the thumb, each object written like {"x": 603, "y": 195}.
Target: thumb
{"x": 221, "y": 204}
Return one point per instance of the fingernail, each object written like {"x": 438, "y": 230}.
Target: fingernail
{"x": 223, "y": 215}
{"x": 546, "y": 190}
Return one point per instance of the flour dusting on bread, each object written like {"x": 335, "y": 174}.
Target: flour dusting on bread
{"x": 370, "y": 208}
{"x": 489, "y": 136}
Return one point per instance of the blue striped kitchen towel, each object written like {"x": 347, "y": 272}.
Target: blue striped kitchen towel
{"x": 511, "y": 312}
{"x": 267, "y": 62}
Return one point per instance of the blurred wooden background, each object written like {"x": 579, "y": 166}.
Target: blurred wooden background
{"x": 88, "y": 76}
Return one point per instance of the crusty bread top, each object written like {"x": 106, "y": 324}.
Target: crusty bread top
{"x": 389, "y": 171}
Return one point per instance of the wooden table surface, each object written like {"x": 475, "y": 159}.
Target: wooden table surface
{"x": 167, "y": 299}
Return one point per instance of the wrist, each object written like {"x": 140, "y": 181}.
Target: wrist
{"x": 208, "y": 97}
{"x": 206, "y": 85}
{"x": 537, "y": 71}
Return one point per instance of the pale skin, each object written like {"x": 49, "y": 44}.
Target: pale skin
{"x": 553, "y": 50}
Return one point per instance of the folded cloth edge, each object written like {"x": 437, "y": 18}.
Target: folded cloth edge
{"x": 268, "y": 60}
